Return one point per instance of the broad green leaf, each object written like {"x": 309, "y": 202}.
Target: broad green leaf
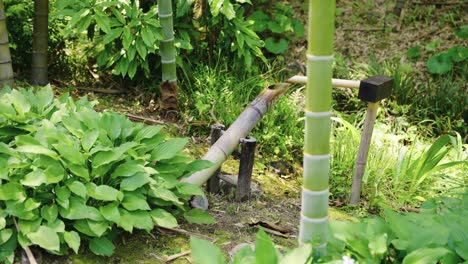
{"x": 134, "y": 202}
{"x": 132, "y": 67}
{"x": 127, "y": 169}
{"x": 458, "y": 53}
{"x": 5, "y": 235}
{"x": 83, "y": 227}
{"x": 89, "y": 139}
{"x": 142, "y": 220}
{"x": 111, "y": 122}
{"x": 163, "y": 218}
{"x": 462, "y": 32}
{"x": 70, "y": 153}
{"x": 276, "y": 46}
{"x": 29, "y": 226}
{"x": 228, "y": 10}
{"x": 102, "y": 246}
{"x": 168, "y": 149}
{"x": 79, "y": 170}
{"x": 78, "y": 188}
{"x": 265, "y": 251}
{"x": 103, "y": 192}
{"x": 198, "y": 165}
{"x": 94, "y": 214}
{"x": 134, "y": 182}
{"x": 427, "y": 255}
{"x": 37, "y": 149}
{"x": 57, "y": 226}
{"x": 246, "y": 256}
{"x": 413, "y": 52}
{"x": 203, "y": 252}
{"x": 43, "y": 98}
{"x": 164, "y": 194}
{"x": 73, "y": 240}
{"x": 147, "y": 36}
{"x": 12, "y": 191}
{"x": 298, "y": 255}
{"x": 440, "y": 63}
{"x": 77, "y": 209}
{"x": 110, "y": 212}
{"x": 106, "y": 157}
{"x": 98, "y": 228}
{"x": 147, "y": 132}
{"x": 113, "y": 34}
{"x": 34, "y": 178}
{"x": 102, "y": 21}
{"x": 49, "y": 212}
{"x": 198, "y": 216}
{"x": 189, "y": 189}
{"x": 126, "y": 220}
{"x": 46, "y": 238}
{"x": 63, "y": 193}
{"x": 20, "y": 102}
{"x": 31, "y": 204}
{"x": 2, "y": 223}
{"x": 215, "y": 7}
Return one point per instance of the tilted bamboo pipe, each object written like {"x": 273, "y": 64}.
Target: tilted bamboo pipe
{"x": 246, "y": 121}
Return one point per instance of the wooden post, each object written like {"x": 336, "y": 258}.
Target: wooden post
{"x": 371, "y": 90}
{"x": 245, "y": 168}
{"x": 212, "y": 186}
{"x": 364, "y": 145}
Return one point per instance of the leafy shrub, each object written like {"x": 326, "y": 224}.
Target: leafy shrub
{"x": 277, "y": 26}
{"x": 436, "y": 235}
{"x": 69, "y": 173}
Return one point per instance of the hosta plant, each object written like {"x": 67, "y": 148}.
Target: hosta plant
{"x": 69, "y": 174}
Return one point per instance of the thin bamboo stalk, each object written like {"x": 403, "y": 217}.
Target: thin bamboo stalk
{"x": 167, "y": 48}
{"x": 6, "y": 68}
{"x": 246, "y": 121}
{"x": 314, "y": 213}
{"x": 40, "y": 38}
{"x": 297, "y": 79}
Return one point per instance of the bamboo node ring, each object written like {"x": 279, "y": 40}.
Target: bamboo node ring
{"x": 318, "y": 114}
{"x": 319, "y": 58}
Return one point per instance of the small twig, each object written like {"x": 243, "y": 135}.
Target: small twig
{"x": 365, "y": 29}
{"x": 402, "y": 16}
{"x": 102, "y": 90}
{"x": 213, "y": 114}
{"x": 435, "y": 3}
{"x": 145, "y": 120}
{"x": 187, "y": 233}
{"x": 176, "y": 256}
{"x": 31, "y": 258}
{"x": 274, "y": 232}
{"x": 410, "y": 209}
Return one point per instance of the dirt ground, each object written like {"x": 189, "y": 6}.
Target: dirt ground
{"x": 365, "y": 29}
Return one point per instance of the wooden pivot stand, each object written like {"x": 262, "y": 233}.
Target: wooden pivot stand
{"x": 371, "y": 90}
{"x": 244, "y": 178}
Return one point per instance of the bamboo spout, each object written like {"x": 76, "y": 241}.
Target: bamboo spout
{"x": 246, "y": 121}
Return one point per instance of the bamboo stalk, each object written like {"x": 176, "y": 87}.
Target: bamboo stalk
{"x": 167, "y": 48}
{"x": 40, "y": 38}
{"x": 6, "y": 68}
{"x": 314, "y": 212}
{"x": 297, "y": 79}
{"x": 246, "y": 121}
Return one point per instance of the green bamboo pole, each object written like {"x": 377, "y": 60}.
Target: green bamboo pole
{"x": 167, "y": 49}
{"x": 314, "y": 213}
{"x": 6, "y": 69}
{"x": 40, "y": 37}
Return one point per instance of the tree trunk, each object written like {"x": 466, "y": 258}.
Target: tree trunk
{"x": 40, "y": 38}
{"x": 314, "y": 213}
{"x": 246, "y": 121}
{"x": 6, "y": 68}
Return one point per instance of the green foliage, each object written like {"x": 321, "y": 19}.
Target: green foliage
{"x": 443, "y": 63}
{"x": 436, "y": 235}
{"x": 123, "y": 35}
{"x": 277, "y": 26}
{"x": 69, "y": 174}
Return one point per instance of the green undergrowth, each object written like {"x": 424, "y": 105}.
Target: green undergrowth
{"x": 438, "y": 234}
{"x": 70, "y": 175}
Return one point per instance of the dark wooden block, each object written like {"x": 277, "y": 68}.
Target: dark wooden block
{"x": 245, "y": 168}
{"x": 212, "y": 186}
{"x": 375, "y": 88}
